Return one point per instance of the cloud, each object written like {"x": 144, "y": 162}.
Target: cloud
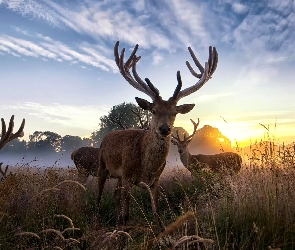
{"x": 157, "y": 58}
{"x": 265, "y": 29}
{"x": 239, "y": 8}
{"x": 33, "y": 9}
{"x": 47, "y": 48}
{"x": 86, "y": 117}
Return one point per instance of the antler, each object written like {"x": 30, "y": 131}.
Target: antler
{"x": 186, "y": 139}
{"x": 135, "y": 81}
{"x": 7, "y": 136}
{"x": 204, "y": 76}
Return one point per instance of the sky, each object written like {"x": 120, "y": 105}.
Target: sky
{"x": 57, "y": 67}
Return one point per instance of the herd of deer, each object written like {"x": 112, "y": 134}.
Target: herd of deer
{"x": 138, "y": 156}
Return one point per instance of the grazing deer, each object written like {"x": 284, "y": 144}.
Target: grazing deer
{"x": 86, "y": 161}
{"x": 217, "y": 163}
{"x": 7, "y": 136}
{"x": 138, "y": 157}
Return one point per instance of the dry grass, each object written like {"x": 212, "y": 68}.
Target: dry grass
{"x": 254, "y": 209}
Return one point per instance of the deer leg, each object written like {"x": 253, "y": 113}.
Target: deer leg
{"x": 155, "y": 202}
{"x": 117, "y": 196}
{"x": 125, "y": 201}
{"x": 101, "y": 176}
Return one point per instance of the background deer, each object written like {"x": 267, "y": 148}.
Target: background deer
{"x": 86, "y": 160}
{"x": 137, "y": 157}
{"x": 228, "y": 161}
{"x": 7, "y": 136}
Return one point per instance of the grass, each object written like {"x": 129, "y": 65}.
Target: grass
{"x": 254, "y": 209}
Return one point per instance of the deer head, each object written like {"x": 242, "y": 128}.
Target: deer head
{"x": 182, "y": 144}
{"x": 164, "y": 112}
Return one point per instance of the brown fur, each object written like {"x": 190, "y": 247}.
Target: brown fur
{"x": 222, "y": 162}
{"x": 138, "y": 157}
{"x": 86, "y": 160}
{"x": 227, "y": 161}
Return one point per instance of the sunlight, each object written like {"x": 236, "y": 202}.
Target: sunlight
{"x": 245, "y": 133}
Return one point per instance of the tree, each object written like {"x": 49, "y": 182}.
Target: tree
{"x": 209, "y": 140}
{"x": 122, "y": 116}
{"x": 47, "y": 141}
{"x": 70, "y": 143}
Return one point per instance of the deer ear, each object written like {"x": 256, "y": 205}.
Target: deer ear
{"x": 144, "y": 104}
{"x": 185, "y": 108}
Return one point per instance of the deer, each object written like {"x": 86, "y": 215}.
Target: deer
{"x": 138, "y": 157}
{"x": 217, "y": 163}
{"x": 86, "y": 161}
{"x": 7, "y": 136}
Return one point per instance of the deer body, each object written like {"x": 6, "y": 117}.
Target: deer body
{"x": 138, "y": 157}
{"x": 138, "y": 148}
{"x": 217, "y": 163}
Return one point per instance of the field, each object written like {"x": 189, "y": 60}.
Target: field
{"x": 254, "y": 209}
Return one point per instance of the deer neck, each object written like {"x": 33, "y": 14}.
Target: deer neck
{"x": 186, "y": 158}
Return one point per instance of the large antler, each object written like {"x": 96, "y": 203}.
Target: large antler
{"x": 186, "y": 139}
{"x": 135, "y": 81}
{"x": 7, "y": 136}
{"x": 204, "y": 76}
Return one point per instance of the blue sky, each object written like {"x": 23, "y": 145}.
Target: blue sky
{"x": 58, "y": 71}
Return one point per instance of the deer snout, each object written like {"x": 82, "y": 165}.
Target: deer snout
{"x": 165, "y": 129}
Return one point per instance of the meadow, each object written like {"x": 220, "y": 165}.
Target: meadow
{"x": 254, "y": 209}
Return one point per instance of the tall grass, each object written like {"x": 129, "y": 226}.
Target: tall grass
{"x": 254, "y": 209}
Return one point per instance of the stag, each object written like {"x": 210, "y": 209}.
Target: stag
{"x": 217, "y": 163}
{"x": 7, "y": 136}
{"x": 86, "y": 161}
{"x": 138, "y": 157}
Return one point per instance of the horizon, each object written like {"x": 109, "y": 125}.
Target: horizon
{"x": 58, "y": 70}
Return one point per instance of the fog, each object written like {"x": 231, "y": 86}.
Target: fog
{"x": 37, "y": 160}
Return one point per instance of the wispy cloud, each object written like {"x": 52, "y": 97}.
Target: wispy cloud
{"x": 259, "y": 30}
{"x": 33, "y": 9}
{"x": 47, "y": 48}
{"x": 86, "y": 117}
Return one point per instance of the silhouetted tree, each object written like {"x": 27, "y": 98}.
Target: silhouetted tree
{"x": 209, "y": 140}
{"x": 70, "y": 143}
{"x": 122, "y": 116}
{"x": 47, "y": 141}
